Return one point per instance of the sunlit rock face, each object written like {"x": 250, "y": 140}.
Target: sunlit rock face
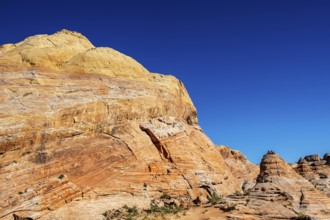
{"x": 316, "y": 170}
{"x": 245, "y": 172}
{"x": 85, "y": 129}
{"x": 280, "y": 193}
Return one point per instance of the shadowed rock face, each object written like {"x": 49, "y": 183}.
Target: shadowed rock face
{"x": 326, "y": 157}
{"x": 84, "y": 129}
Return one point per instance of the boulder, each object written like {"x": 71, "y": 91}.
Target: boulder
{"x": 312, "y": 158}
{"x": 302, "y": 161}
{"x": 326, "y": 157}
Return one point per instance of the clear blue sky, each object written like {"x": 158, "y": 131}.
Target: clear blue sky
{"x": 257, "y": 71}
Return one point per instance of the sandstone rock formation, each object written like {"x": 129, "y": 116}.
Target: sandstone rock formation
{"x": 280, "y": 193}
{"x": 245, "y": 172}
{"x": 317, "y": 171}
{"x": 326, "y": 157}
{"x": 85, "y": 129}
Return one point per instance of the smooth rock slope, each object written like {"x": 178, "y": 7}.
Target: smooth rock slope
{"x": 85, "y": 129}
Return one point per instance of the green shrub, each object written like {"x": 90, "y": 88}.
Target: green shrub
{"x": 247, "y": 192}
{"x": 164, "y": 210}
{"x": 131, "y": 210}
{"x": 125, "y": 212}
{"x": 214, "y": 198}
{"x": 165, "y": 196}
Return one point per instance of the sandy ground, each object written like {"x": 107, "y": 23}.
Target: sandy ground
{"x": 195, "y": 213}
{"x": 202, "y": 213}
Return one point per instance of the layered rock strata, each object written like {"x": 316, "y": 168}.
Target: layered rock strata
{"x": 280, "y": 193}
{"x": 316, "y": 170}
{"x": 245, "y": 172}
{"x": 82, "y": 126}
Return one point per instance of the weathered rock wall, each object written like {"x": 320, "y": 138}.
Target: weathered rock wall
{"x": 80, "y": 125}
{"x": 316, "y": 171}
{"x": 280, "y": 193}
{"x": 245, "y": 172}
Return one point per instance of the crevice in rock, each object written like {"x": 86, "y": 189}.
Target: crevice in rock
{"x": 164, "y": 153}
{"x": 186, "y": 179}
{"x": 26, "y": 60}
{"x": 209, "y": 189}
{"x": 208, "y": 165}
{"x": 192, "y": 119}
{"x": 51, "y": 42}
{"x": 302, "y": 197}
{"x": 16, "y": 217}
{"x": 120, "y": 140}
{"x": 71, "y": 135}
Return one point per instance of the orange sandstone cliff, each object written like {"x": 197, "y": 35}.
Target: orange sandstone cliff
{"x": 85, "y": 129}
{"x": 245, "y": 172}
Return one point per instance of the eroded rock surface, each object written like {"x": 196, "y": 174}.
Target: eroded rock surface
{"x": 316, "y": 171}
{"x": 245, "y": 172}
{"x": 82, "y": 126}
{"x": 280, "y": 193}
{"x": 84, "y": 130}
